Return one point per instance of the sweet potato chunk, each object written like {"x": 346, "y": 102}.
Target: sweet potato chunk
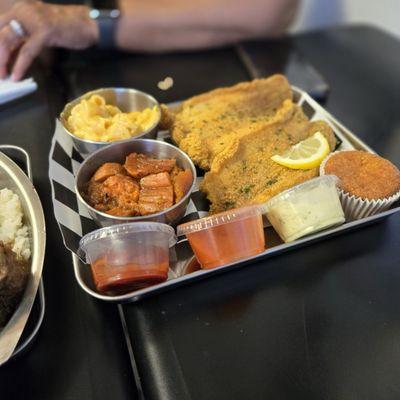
{"x": 182, "y": 181}
{"x": 124, "y": 191}
{"x": 156, "y": 180}
{"x": 107, "y": 170}
{"x": 156, "y": 193}
{"x": 139, "y": 165}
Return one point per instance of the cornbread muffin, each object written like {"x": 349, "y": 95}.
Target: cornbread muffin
{"x": 369, "y": 183}
{"x": 364, "y": 174}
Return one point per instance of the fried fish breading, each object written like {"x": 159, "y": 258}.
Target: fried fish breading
{"x": 233, "y": 132}
{"x": 245, "y": 174}
{"x": 206, "y": 124}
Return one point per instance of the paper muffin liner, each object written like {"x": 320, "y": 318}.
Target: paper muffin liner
{"x": 355, "y": 207}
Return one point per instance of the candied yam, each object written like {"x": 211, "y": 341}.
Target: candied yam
{"x": 153, "y": 200}
{"x": 161, "y": 194}
{"x": 113, "y": 188}
{"x": 124, "y": 190}
{"x": 101, "y": 207}
{"x": 124, "y": 212}
{"x": 135, "y": 165}
{"x": 121, "y": 185}
{"x": 156, "y": 193}
{"x": 139, "y": 165}
{"x": 107, "y": 170}
{"x": 148, "y": 208}
{"x": 182, "y": 181}
{"x": 95, "y": 194}
{"x": 156, "y": 180}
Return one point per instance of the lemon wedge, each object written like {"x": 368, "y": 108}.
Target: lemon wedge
{"x": 306, "y": 154}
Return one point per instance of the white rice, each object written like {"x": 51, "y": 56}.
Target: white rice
{"x": 13, "y": 232}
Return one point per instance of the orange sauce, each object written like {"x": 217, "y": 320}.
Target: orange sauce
{"x": 192, "y": 265}
{"x": 226, "y": 243}
{"x": 147, "y": 267}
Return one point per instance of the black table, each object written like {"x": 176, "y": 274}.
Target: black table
{"x": 321, "y": 322}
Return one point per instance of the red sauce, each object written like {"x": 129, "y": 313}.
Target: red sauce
{"x": 118, "y": 274}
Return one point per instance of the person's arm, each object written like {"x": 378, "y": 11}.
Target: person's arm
{"x": 147, "y": 25}
{"x": 181, "y": 24}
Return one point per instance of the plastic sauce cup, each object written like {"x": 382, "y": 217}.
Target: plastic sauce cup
{"x": 306, "y": 208}
{"x": 226, "y": 237}
{"x": 129, "y": 256}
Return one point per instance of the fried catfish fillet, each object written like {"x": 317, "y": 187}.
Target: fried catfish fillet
{"x": 205, "y": 124}
{"x": 245, "y": 174}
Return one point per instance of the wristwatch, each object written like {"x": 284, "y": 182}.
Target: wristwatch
{"x": 106, "y": 14}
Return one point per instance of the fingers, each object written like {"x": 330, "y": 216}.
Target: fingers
{"x": 5, "y": 19}
{"x": 9, "y": 42}
{"x": 27, "y": 53}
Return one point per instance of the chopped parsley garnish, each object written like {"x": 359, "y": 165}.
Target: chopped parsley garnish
{"x": 271, "y": 182}
{"x": 246, "y": 188}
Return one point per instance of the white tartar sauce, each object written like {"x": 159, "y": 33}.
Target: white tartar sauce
{"x": 306, "y": 208}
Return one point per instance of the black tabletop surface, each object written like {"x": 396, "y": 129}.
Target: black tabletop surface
{"x": 80, "y": 352}
{"x": 321, "y": 322}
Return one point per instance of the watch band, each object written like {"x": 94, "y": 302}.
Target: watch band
{"x": 107, "y": 24}
{"x": 107, "y": 19}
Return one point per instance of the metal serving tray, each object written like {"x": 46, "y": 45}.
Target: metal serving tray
{"x": 183, "y": 254}
{"x": 24, "y": 325}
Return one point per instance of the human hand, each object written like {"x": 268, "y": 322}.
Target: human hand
{"x": 44, "y": 25}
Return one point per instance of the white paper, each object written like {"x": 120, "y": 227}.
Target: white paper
{"x": 10, "y": 90}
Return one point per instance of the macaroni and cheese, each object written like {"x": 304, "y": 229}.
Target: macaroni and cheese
{"x": 93, "y": 119}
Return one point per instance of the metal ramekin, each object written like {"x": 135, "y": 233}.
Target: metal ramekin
{"x": 126, "y": 100}
{"x": 117, "y": 152}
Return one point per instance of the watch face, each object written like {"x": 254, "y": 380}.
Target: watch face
{"x": 94, "y": 13}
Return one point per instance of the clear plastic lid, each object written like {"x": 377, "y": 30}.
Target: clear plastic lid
{"x": 225, "y": 217}
{"x": 126, "y": 229}
{"x": 325, "y": 180}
